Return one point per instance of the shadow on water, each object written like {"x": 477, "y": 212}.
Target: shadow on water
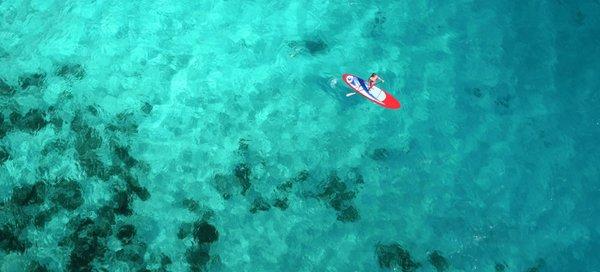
{"x": 331, "y": 86}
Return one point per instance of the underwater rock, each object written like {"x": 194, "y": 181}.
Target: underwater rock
{"x": 503, "y": 101}
{"x": 349, "y": 214}
{"x": 32, "y": 121}
{"x": 133, "y": 253}
{"x": 85, "y": 250}
{"x": 380, "y": 154}
{"x": 121, "y": 203}
{"x": 315, "y": 46}
{"x": 35, "y": 266}
{"x": 29, "y": 194}
{"x": 337, "y": 195}
{"x": 259, "y": 204}
{"x": 122, "y": 154}
{"x": 4, "y": 155}
{"x": 302, "y": 176}
{"x": 88, "y": 241}
{"x": 125, "y": 233}
{"x": 57, "y": 145}
{"x": 76, "y": 71}
{"x": 438, "y": 261}
{"x": 134, "y": 185}
{"x": 4, "y": 127}
{"x": 44, "y": 217}
{"x": 165, "y": 260}
{"x": 223, "y": 185}
{"x": 185, "y": 230}
{"x": 476, "y": 92}
{"x": 124, "y": 122}
{"x": 67, "y": 194}
{"x": 88, "y": 139}
{"x": 285, "y": 187}
{"x": 106, "y": 213}
{"x": 242, "y": 173}
{"x": 77, "y": 124}
{"x": 393, "y": 256}
{"x": 333, "y": 186}
{"x": 243, "y": 147}
{"x": 500, "y": 267}
{"x": 147, "y": 108}
{"x": 539, "y": 263}
{"x": 92, "y": 166}
{"x": 6, "y": 89}
{"x": 190, "y": 204}
{"x": 32, "y": 80}
{"x": 379, "y": 18}
{"x": 197, "y": 257}
{"x": 9, "y": 242}
{"x": 281, "y": 203}
{"x": 341, "y": 200}
{"x": 376, "y": 26}
{"x": 205, "y": 233}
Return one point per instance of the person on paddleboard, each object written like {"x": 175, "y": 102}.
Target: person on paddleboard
{"x": 373, "y": 80}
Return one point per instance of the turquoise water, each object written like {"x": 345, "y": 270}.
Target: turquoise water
{"x": 216, "y": 135}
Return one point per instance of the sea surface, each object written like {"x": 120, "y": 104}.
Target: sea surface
{"x": 217, "y": 136}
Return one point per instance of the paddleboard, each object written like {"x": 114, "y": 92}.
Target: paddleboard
{"x": 375, "y": 94}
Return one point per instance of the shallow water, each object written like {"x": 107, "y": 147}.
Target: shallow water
{"x": 217, "y": 135}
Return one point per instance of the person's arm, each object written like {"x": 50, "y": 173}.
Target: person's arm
{"x": 381, "y": 79}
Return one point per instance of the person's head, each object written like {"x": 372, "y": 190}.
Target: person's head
{"x": 373, "y": 74}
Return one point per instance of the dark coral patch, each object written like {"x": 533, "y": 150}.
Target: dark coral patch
{"x": 339, "y": 197}
{"x": 197, "y": 257}
{"x": 6, "y": 89}
{"x": 341, "y": 200}
{"x": 333, "y": 186}
{"x": 147, "y": 108}
{"x": 380, "y": 154}
{"x": 349, "y": 214}
{"x": 29, "y": 194}
{"x": 205, "y": 233}
{"x": 126, "y": 233}
{"x": 500, "y": 267}
{"x": 393, "y": 256}
{"x": 539, "y": 264}
{"x": 302, "y": 176}
{"x": 9, "y": 242}
{"x": 224, "y": 185}
{"x": 315, "y": 46}
{"x": 259, "y": 204}
{"x": 76, "y": 71}
{"x": 121, "y": 202}
{"x": 32, "y": 80}
{"x": 124, "y": 122}
{"x": 503, "y": 101}
{"x": 285, "y": 187}
{"x": 242, "y": 173}
{"x": 32, "y": 121}
{"x": 85, "y": 250}
{"x": 438, "y": 261}
{"x": 122, "y": 153}
{"x": 281, "y": 203}
{"x": 4, "y": 155}
{"x": 44, "y": 216}
{"x": 134, "y": 185}
{"x": 35, "y": 266}
{"x": 185, "y": 230}
{"x": 67, "y": 194}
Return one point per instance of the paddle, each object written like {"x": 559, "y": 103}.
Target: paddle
{"x": 350, "y": 94}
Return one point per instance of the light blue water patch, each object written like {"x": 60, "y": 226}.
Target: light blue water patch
{"x": 217, "y": 135}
